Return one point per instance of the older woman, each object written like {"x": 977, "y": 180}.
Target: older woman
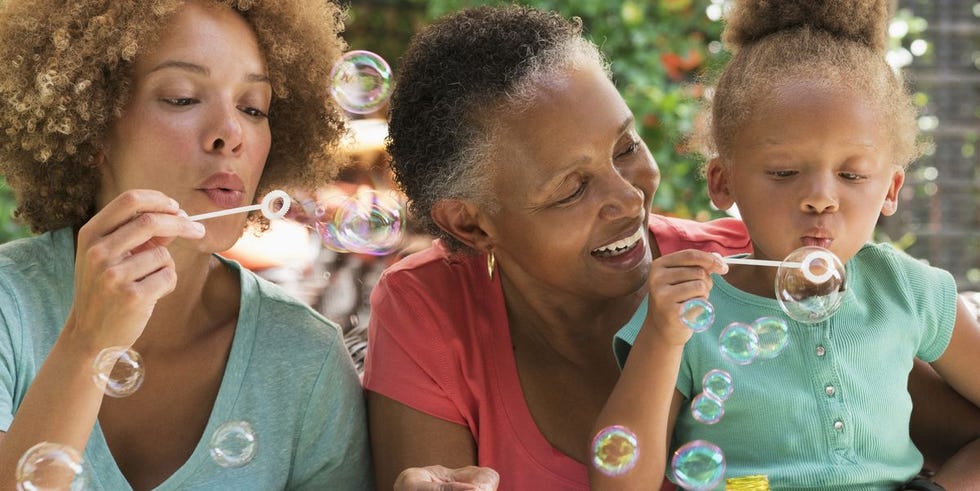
{"x": 493, "y": 348}
{"x": 120, "y": 119}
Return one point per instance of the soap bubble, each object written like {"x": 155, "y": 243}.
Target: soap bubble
{"x": 360, "y": 81}
{"x": 698, "y": 314}
{"x": 707, "y": 409}
{"x": 50, "y": 466}
{"x": 614, "y": 450}
{"x": 698, "y": 465}
{"x": 739, "y": 343}
{"x": 809, "y": 284}
{"x": 233, "y": 444}
{"x": 718, "y": 383}
{"x": 119, "y": 371}
{"x": 773, "y": 335}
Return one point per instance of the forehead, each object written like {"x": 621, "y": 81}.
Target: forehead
{"x": 204, "y": 34}
{"x": 577, "y": 113}
{"x": 809, "y": 110}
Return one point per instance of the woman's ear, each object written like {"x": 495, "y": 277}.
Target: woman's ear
{"x": 719, "y": 184}
{"x": 464, "y": 221}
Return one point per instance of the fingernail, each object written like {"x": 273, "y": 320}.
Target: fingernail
{"x": 174, "y": 204}
{"x": 198, "y": 227}
{"x": 182, "y": 213}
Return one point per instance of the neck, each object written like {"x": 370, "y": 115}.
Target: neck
{"x": 572, "y": 328}
{"x": 206, "y": 297}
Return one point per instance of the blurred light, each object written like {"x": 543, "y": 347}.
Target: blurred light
{"x": 930, "y": 173}
{"x": 898, "y": 28}
{"x": 928, "y": 123}
{"x": 919, "y": 47}
{"x": 714, "y": 11}
{"x": 715, "y": 47}
{"x": 898, "y": 57}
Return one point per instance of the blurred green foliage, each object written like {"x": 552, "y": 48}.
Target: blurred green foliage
{"x": 9, "y": 229}
{"x": 657, "y": 52}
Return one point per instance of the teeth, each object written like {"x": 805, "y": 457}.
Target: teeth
{"x": 620, "y": 245}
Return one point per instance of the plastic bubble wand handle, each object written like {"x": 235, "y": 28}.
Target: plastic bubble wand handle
{"x": 806, "y": 265}
{"x": 266, "y": 208}
{"x": 761, "y": 262}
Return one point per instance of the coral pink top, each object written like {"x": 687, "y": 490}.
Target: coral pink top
{"x": 439, "y": 342}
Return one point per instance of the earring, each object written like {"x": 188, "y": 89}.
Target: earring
{"x": 491, "y": 261}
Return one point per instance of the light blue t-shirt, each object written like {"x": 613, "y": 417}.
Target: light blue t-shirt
{"x": 832, "y": 410}
{"x": 288, "y": 375}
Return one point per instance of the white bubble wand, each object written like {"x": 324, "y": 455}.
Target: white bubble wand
{"x": 265, "y": 206}
{"x": 806, "y": 265}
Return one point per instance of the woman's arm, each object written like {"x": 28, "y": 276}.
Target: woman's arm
{"x": 943, "y": 421}
{"x": 403, "y": 440}
{"x": 960, "y": 366}
{"x": 122, "y": 267}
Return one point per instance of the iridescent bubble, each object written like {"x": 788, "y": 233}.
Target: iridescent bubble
{"x": 698, "y": 465}
{"x": 360, "y": 81}
{"x": 614, "y": 450}
{"x": 773, "y": 335}
{"x": 369, "y": 223}
{"x": 698, "y": 314}
{"x": 50, "y": 466}
{"x": 718, "y": 383}
{"x": 119, "y": 371}
{"x": 739, "y": 343}
{"x": 233, "y": 444}
{"x": 810, "y": 284}
{"x": 707, "y": 409}
{"x": 326, "y": 214}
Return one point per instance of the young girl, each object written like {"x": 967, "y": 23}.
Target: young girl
{"x": 811, "y": 132}
{"x": 121, "y": 119}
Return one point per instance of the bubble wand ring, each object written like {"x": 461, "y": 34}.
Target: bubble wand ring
{"x": 266, "y": 208}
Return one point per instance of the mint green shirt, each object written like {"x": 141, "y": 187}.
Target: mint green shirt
{"x": 288, "y": 375}
{"x": 832, "y": 410}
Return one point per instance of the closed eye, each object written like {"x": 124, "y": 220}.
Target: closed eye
{"x": 633, "y": 147}
{"x": 852, "y": 176}
{"x": 251, "y": 111}
{"x": 578, "y": 192}
{"x": 781, "y": 174}
{"x": 180, "y": 101}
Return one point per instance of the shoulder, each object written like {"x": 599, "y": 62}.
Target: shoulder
{"x": 283, "y": 321}
{"x": 884, "y": 261}
{"x": 723, "y": 235}
{"x": 34, "y": 269}
{"x": 434, "y": 274}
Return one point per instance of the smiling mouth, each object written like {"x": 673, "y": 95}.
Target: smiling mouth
{"x": 620, "y": 246}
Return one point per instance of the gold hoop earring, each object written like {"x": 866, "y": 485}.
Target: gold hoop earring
{"x": 491, "y": 261}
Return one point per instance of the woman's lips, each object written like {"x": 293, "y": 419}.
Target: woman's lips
{"x": 224, "y": 198}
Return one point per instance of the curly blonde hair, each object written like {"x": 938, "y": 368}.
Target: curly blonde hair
{"x": 836, "y": 42}
{"x": 66, "y": 74}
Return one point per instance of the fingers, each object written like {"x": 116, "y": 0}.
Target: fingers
{"x": 678, "y": 277}
{"x": 484, "y": 478}
{"x": 440, "y": 478}
{"x": 138, "y": 215}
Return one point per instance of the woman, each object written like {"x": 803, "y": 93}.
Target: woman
{"x": 493, "y": 348}
{"x": 121, "y": 119}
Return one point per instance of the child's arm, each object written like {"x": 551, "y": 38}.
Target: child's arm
{"x": 960, "y": 366}
{"x": 645, "y": 399}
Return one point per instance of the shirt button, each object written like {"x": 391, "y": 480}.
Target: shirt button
{"x": 821, "y": 351}
{"x": 830, "y": 390}
{"x": 839, "y": 425}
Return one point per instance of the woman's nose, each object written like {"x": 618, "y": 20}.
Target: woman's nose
{"x": 622, "y": 198}
{"x": 223, "y": 133}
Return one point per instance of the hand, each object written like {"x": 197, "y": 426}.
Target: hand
{"x": 439, "y": 478}
{"x": 122, "y": 267}
{"x": 674, "y": 279}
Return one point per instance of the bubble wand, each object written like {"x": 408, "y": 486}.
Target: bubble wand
{"x": 266, "y": 208}
{"x": 806, "y": 265}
